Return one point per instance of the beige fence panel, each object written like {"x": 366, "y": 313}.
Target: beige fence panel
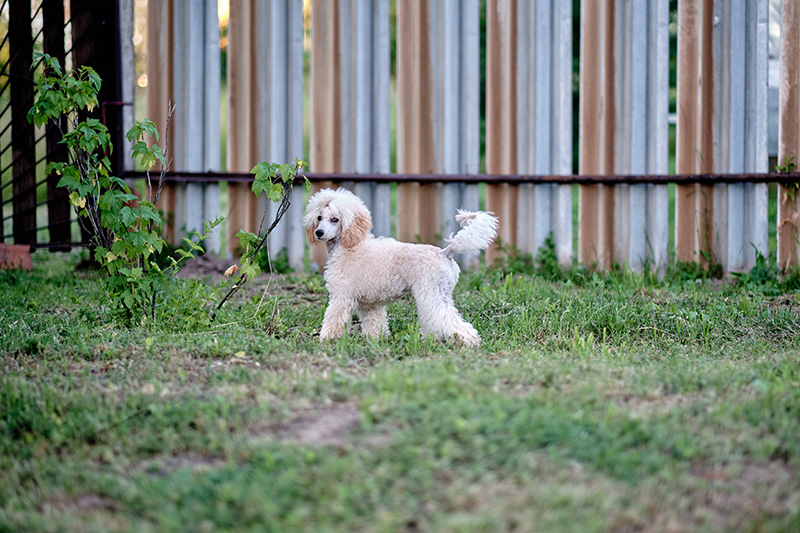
{"x": 597, "y": 132}
{"x": 184, "y": 63}
{"x": 438, "y": 113}
{"x": 265, "y": 87}
{"x": 160, "y": 92}
{"x": 789, "y": 133}
{"x": 501, "y": 116}
{"x": 350, "y": 72}
{"x": 624, "y": 130}
{"x": 722, "y": 110}
{"x": 529, "y": 121}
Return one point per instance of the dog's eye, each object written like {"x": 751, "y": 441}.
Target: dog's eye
{"x": 334, "y": 220}
{"x": 319, "y": 217}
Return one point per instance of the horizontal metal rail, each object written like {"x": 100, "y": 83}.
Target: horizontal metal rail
{"x": 514, "y": 179}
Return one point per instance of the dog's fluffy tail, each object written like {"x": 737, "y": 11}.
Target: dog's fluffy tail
{"x": 478, "y": 230}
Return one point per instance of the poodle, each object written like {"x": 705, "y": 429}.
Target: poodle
{"x": 365, "y": 273}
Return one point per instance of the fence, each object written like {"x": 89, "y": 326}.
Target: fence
{"x": 720, "y": 215}
{"x": 73, "y": 33}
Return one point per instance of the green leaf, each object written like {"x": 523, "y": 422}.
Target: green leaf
{"x": 287, "y": 172}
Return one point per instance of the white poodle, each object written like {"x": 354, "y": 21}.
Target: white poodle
{"x": 365, "y": 273}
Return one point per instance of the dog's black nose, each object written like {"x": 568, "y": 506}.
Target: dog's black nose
{"x": 319, "y": 233}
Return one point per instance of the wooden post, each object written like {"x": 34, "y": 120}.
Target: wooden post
{"x": 789, "y": 134}
{"x": 325, "y": 95}
{"x": 416, "y": 204}
{"x": 694, "y": 204}
{"x": 501, "y": 123}
{"x": 242, "y": 134}
{"x": 22, "y": 135}
{"x": 597, "y": 133}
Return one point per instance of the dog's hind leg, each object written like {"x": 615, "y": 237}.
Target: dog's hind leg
{"x": 337, "y": 316}
{"x": 374, "y": 322}
{"x": 439, "y": 317}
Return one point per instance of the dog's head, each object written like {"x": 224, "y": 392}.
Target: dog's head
{"x": 336, "y": 216}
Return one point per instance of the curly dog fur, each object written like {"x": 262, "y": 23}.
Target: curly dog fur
{"x": 365, "y": 273}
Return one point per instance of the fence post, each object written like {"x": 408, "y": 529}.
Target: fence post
{"x": 416, "y": 204}
{"x": 722, "y": 86}
{"x": 350, "y": 100}
{"x": 23, "y": 151}
{"x": 789, "y": 134}
{"x": 536, "y": 48}
{"x": 438, "y": 112}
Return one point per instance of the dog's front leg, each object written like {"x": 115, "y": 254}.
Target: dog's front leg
{"x": 337, "y": 316}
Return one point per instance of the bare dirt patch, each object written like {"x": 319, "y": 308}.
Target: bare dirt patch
{"x": 730, "y": 498}
{"x": 322, "y": 427}
{"x": 316, "y": 426}
{"x": 167, "y": 465}
{"x": 206, "y": 266}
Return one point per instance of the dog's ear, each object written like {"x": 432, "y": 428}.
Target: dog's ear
{"x": 355, "y": 228}
{"x": 310, "y": 222}
{"x": 312, "y": 239}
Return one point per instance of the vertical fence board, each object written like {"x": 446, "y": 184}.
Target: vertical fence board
{"x": 58, "y": 207}
{"x": 596, "y": 138}
{"x": 501, "y": 114}
{"x": 160, "y": 94}
{"x": 722, "y": 128}
{"x": 197, "y": 123}
{"x": 350, "y": 100}
{"x": 22, "y": 135}
{"x": 416, "y": 151}
{"x": 789, "y": 134}
{"x": 243, "y": 207}
{"x": 694, "y": 204}
{"x": 641, "y": 137}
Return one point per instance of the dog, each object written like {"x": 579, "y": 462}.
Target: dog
{"x": 364, "y": 273}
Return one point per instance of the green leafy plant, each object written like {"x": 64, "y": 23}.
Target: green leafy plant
{"x": 126, "y": 230}
{"x": 276, "y": 182}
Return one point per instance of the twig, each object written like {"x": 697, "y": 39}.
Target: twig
{"x": 282, "y": 208}
{"x": 168, "y": 162}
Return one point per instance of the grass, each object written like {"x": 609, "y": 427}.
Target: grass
{"x": 597, "y": 402}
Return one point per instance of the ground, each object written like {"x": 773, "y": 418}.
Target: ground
{"x": 596, "y": 403}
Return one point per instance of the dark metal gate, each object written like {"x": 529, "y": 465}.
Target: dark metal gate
{"x": 77, "y": 32}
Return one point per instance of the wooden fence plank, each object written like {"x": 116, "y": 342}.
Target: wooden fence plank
{"x": 789, "y": 134}
{"x": 350, "y": 100}
{"x": 501, "y": 114}
{"x": 160, "y": 93}
{"x": 694, "y": 204}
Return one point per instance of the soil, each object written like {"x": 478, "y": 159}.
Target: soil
{"x": 206, "y": 266}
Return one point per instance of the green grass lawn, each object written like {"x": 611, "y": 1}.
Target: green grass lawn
{"x": 597, "y": 403}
